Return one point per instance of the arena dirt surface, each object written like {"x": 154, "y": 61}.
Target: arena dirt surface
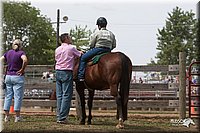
{"x": 103, "y": 122}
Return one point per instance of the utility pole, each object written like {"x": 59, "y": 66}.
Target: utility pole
{"x": 58, "y": 24}
{"x": 65, "y": 18}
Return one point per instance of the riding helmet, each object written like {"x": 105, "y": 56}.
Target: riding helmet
{"x": 101, "y": 22}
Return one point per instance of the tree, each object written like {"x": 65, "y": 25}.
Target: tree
{"x": 21, "y": 20}
{"x": 80, "y": 37}
{"x": 178, "y": 35}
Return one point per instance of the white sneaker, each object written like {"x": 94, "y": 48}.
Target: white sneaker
{"x": 18, "y": 119}
{"x": 6, "y": 119}
{"x": 62, "y": 122}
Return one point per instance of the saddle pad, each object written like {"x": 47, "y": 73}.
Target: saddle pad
{"x": 96, "y": 58}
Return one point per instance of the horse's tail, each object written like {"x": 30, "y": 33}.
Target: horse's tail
{"x": 125, "y": 83}
{"x": 125, "y": 78}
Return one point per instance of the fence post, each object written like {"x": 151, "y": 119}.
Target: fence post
{"x": 182, "y": 85}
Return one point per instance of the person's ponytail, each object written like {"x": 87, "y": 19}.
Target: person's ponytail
{"x": 16, "y": 45}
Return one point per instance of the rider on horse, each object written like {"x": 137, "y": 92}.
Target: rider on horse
{"x": 100, "y": 42}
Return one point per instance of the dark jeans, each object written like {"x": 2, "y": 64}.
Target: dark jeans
{"x": 64, "y": 91}
{"x": 88, "y": 55}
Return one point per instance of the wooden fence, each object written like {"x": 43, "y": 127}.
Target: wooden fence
{"x": 146, "y": 95}
{"x": 162, "y": 95}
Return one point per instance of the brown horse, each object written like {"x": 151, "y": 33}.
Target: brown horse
{"x": 113, "y": 71}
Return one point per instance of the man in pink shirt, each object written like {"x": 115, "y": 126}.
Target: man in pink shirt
{"x": 64, "y": 56}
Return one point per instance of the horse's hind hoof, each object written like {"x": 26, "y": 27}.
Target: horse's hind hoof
{"x": 89, "y": 123}
{"x": 120, "y": 126}
{"x": 82, "y": 123}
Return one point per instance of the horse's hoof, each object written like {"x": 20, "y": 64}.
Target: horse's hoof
{"x": 120, "y": 126}
{"x": 89, "y": 123}
{"x": 82, "y": 123}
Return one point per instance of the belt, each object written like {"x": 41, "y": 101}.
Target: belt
{"x": 104, "y": 47}
{"x": 64, "y": 70}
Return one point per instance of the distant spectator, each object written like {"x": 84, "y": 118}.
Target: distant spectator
{"x": 177, "y": 79}
{"x": 167, "y": 79}
{"x": 140, "y": 80}
{"x": 133, "y": 80}
{"x": 171, "y": 79}
{"x": 45, "y": 75}
{"x": 49, "y": 76}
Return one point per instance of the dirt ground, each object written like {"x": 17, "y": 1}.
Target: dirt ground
{"x": 103, "y": 112}
{"x": 43, "y": 120}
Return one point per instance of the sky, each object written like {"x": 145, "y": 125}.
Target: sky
{"x": 135, "y": 24}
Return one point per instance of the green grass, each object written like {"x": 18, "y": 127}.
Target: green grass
{"x": 44, "y": 123}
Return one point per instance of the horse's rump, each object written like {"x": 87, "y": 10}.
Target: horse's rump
{"x": 107, "y": 72}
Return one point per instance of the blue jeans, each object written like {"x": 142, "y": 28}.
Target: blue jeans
{"x": 85, "y": 57}
{"x": 64, "y": 91}
{"x": 14, "y": 87}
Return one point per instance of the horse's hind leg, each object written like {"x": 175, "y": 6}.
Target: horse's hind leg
{"x": 120, "y": 125}
{"x": 115, "y": 93}
{"x": 90, "y": 102}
